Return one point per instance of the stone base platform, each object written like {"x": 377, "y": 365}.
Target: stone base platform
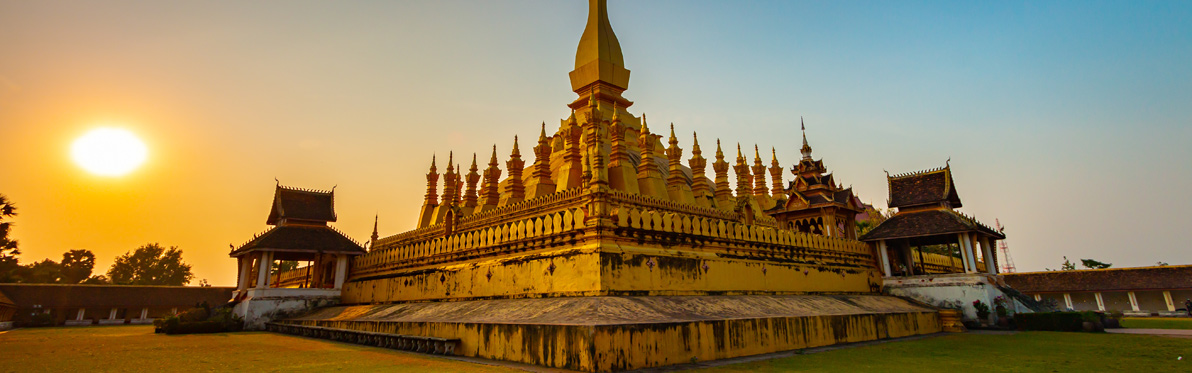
{"x": 613, "y": 333}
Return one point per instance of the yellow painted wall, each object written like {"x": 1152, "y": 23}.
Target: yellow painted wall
{"x": 618, "y": 267}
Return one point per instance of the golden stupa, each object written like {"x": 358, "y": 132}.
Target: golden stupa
{"x": 611, "y": 252}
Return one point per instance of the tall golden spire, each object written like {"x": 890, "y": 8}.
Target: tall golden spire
{"x": 540, "y": 182}
{"x": 700, "y": 188}
{"x": 427, "y": 215}
{"x": 470, "y": 196}
{"x": 598, "y": 57}
{"x": 599, "y": 67}
{"x": 743, "y": 176}
{"x": 759, "y": 174}
{"x": 491, "y": 195}
{"x": 777, "y": 189}
{"x": 449, "y": 181}
{"x": 514, "y": 189}
{"x": 722, "y": 192}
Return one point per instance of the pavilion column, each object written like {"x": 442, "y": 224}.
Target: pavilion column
{"x": 263, "y": 267}
{"x": 341, "y": 270}
{"x": 964, "y": 252}
{"x": 885, "y": 258}
{"x": 245, "y": 270}
{"x": 990, "y": 262}
{"x": 909, "y": 258}
{"x": 83, "y": 310}
{"x": 967, "y": 242}
{"x": 1133, "y": 301}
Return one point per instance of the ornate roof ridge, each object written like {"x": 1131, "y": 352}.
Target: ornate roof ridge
{"x": 305, "y": 190}
{"x": 973, "y": 220}
{"x": 273, "y": 228}
{"x": 254, "y": 238}
{"x": 918, "y": 173}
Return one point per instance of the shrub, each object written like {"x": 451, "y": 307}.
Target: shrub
{"x": 1050, "y": 321}
{"x": 1000, "y": 306}
{"x": 200, "y": 320}
{"x": 982, "y": 309}
{"x": 197, "y": 327}
{"x": 42, "y": 319}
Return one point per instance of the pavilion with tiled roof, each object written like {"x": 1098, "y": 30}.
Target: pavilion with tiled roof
{"x": 814, "y": 203}
{"x": 300, "y": 232}
{"x": 926, "y": 203}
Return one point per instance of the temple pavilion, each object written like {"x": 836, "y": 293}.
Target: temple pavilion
{"x": 815, "y": 203}
{"x": 300, "y": 232}
{"x": 927, "y": 218}
{"x": 617, "y": 249}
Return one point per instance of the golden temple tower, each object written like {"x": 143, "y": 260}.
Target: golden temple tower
{"x": 630, "y": 260}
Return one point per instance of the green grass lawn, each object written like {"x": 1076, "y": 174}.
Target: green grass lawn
{"x": 137, "y": 349}
{"x": 1021, "y": 352}
{"x": 1156, "y": 323}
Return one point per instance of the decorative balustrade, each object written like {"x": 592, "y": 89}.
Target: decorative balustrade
{"x": 564, "y": 212}
{"x": 938, "y": 263}
{"x": 292, "y": 278}
{"x": 644, "y": 218}
{"x": 413, "y": 251}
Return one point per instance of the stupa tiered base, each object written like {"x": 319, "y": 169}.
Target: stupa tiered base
{"x": 613, "y": 333}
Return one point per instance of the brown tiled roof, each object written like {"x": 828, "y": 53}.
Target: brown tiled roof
{"x": 923, "y": 188}
{"x": 924, "y": 223}
{"x": 4, "y": 301}
{"x": 296, "y": 238}
{"x": 63, "y": 295}
{"x": 1112, "y": 279}
{"x": 302, "y": 204}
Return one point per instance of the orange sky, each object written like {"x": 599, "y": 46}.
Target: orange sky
{"x": 230, "y": 95}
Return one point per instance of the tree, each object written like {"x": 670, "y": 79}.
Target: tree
{"x": 1093, "y": 264}
{"x": 1161, "y": 264}
{"x": 9, "y": 265}
{"x": 77, "y": 266}
{"x": 1067, "y": 266}
{"x": 97, "y": 280}
{"x": 43, "y": 272}
{"x": 151, "y": 264}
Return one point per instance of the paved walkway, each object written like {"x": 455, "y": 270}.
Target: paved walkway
{"x": 1178, "y": 333}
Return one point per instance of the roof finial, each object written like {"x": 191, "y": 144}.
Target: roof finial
{"x": 515, "y": 149}
{"x": 806, "y": 150}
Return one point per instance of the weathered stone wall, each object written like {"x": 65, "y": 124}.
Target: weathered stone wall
{"x": 637, "y": 332}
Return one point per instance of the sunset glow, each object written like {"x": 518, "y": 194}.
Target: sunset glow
{"x": 109, "y": 151}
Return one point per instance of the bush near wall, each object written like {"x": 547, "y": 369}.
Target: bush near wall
{"x": 202, "y": 319}
{"x": 1050, "y": 321}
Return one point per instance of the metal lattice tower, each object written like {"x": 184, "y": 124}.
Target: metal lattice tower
{"x": 1008, "y": 264}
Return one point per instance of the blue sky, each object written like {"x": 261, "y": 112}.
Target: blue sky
{"x": 1068, "y": 121}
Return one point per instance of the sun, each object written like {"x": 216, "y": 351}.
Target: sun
{"x": 109, "y": 151}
